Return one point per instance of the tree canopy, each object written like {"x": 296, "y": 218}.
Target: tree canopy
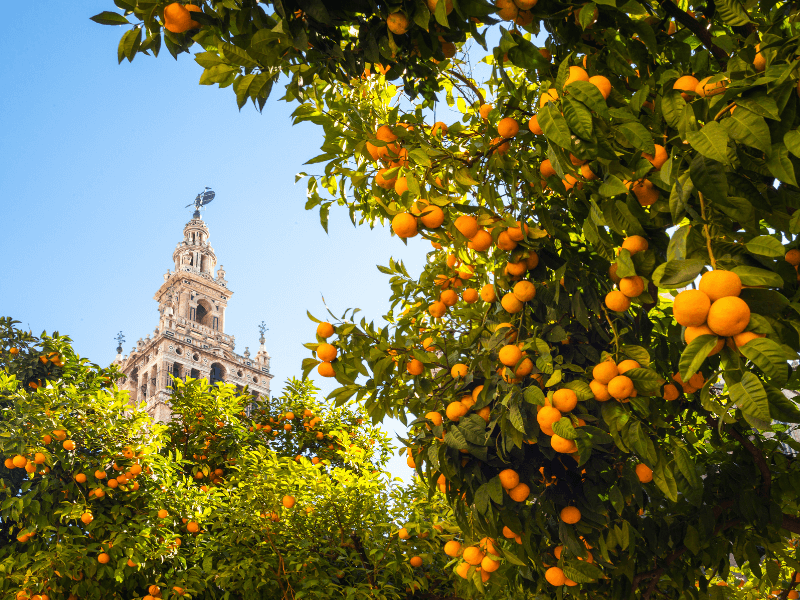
{"x": 596, "y": 363}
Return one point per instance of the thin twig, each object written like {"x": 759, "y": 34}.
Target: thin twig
{"x": 697, "y": 29}
{"x": 706, "y": 231}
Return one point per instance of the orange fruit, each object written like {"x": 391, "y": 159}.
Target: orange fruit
{"x": 576, "y": 74}
{"x": 532, "y": 261}
{"x": 533, "y": 126}
{"x": 68, "y": 445}
{"x": 462, "y": 570}
{"x": 670, "y": 392}
{"x": 489, "y": 565}
{"x": 705, "y": 89}
{"x": 565, "y": 400}
{"x": 509, "y": 479}
{"x": 467, "y": 225}
{"x": 19, "y": 461}
{"x": 455, "y": 410}
{"x": 605, "y": 371}
{"x": 177, "y": 18}
{"x": 404, "y": 225}
{"x": 617, "y": 301}
{"x": 793, "y": 257}
{"x": 546, "y": 416}
{"x": 162, "y": 514}
{"x": 740, "y": 339}
{"x": 728, "y": 316}
{"x": 563, "y": 445}
{"x": 760, "y": 61}
{"x": 693, "y": 332}
{"x": 86, "y": 518}
{"x": 718, "y": 284}
{"x": 659, "y": 158}
{"x": 519, "y": 493}
{"x": 326, "y": 352}
{"x": 524, "y": 291}
{"x": 602, "y": 84}
{"x": 415, "y": 561}
{"x": 485, "y": 109}
{"x": 546, "y": 169}
{"x": 452, "y": 548}
{"x": 510, "y": 355}
{"x": 627, "y": 365}
{"x": 437, "y": 309}
{"x": 481, "y": 241}
{"x": 325, "y": 369}
{"x": 646, "y": 193}
{"x": 632, "y": 287}
{"x": 438, "y": 127}
{"x": 397, "y": 23}
{"x": 288, "y": 501}
{"x": 458, "y": 371}
{"x": 103, "y": 558}
{"x": 473, "y": 555}
{"x": 621, "y": 387}
{"x": 511, "y": 303}
{"x": 508, "y": 127}
{"x": 192, "y": 527}
{"x": 504, "y": 241}
{"x": 644, "y": 473}
{"x": 635, "y": 243}
{"x": 687, "y": 83}
{"x": 690, "y": 308}
{"x": 431, "y": 216}
{"x": 80, "y": 478}
{"x": 555, "y": 576}
{"x": 415, "y": 367}
{"x": 470, "y": 295}
{"x": 570, "y": 515}
{"x": 600, "y": 390}
{"x": 448, "y": 298}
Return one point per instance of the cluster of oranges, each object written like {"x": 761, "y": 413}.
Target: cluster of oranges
{"x": 609, "y": 381}
{"x": 715, "y": 308}
{"x": 563, "y": 401}
{"x": 484, "y": 556}
{"x": 326, "y": 352}
{"x": 630, "y": 287}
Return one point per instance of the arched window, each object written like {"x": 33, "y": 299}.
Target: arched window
{"x": 194, "y": 374}
{"x": 176, "y": 369}
{"x": 203, "y": 313}
{"x": 217, "y": 373}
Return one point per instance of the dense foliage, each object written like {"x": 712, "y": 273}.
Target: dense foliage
{"x": 97, "y": 501}
{"x": 627, "y": 439}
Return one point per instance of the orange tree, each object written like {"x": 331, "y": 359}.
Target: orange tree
{"x": 97, "y": 501}
{"x": 599, "y": 431}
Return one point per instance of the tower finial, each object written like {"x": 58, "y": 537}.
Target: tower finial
{"x": 203, "y": 198}
{"x": 120, "y": 340}
{"x": 262, "y": 328}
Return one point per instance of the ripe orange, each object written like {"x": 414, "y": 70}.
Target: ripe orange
{"x": 718, "y": 284}
{"x": 404, "y": 225}
{"x": 438, "y": 127}
{"x": 600, "y": 390}
{"x": 576, "y": 74}
{"x": 570, "y": 515}
{"x": 644, "y": 473}
{"x": 397, "y": 23}
{"x": 103, "y": 558}
{"x": 509, "y": 479}
{"x": 635, "y": 243}
{"x": 455, "y": 410}
{"x": 550, "y": 95}
{"x": 511, "y": 303}
{"x": 325, "y": 369}
{"x": 458, "y": 371}
{"x": 452, "y": 548}
{"x": 415, "y": 561}
{"x": 288, "y": 501}
{"x": 467, "y": 225}
{"x": 415, "y": 367}
{"x": 659, "y": 158}
{"x": 740, "y": 339}
{"x": 19, "y": 461}
{"x": 605, "y": 371}
{"x": 510, "y": 355}
{"x": 489, "y": 565}
{"x": 437, "y": 309}
{"x": 760, "y": 61}
{"x": 646, "y": 193}
{"x": 162, "y": 514}
{"x": 533, "y": 126}
{"x": 728, "y": 316}
{"x": 86, "y": 518}
{"x": 620, "y": 387}
{"x": 519, "y": 493}
{"x": 627, "y": 365}
{"x": 555, "y": 576}
{"x": 470, "y": 295}
{"x": 39, "y": 458}
{"x": 670, "y": 392}
{"x": 632, "y": 287}
{"x": 690, "y": 308}
{"x": 508, "y": 127}
{"x": 192, "y": 527}
{"x": 325, "y": 330}
{"x": 481, "y": 241}
{"x": 563, "y": 445}
{"x": 46, "y": 439}
{"x": 524, "y": 291}
{"x": 68, "y": 445}
{"x": 485, "y": 109}
{"x": 326, "y": 352}
{"x": 546, "y": 416}
{"x": 448, "y": 298}
{"x": 546, "y": 169}
{"x": 602, "y": 84}
{"x": 565, "y": 400}
{"x": 693, "y": 332}
{"x": 687, "y": 83}
{"x": 177, "y": 18}
{"x": 462, "y": 570}
{"x": 473, "y": 555}
{"x": 617, "y": 301}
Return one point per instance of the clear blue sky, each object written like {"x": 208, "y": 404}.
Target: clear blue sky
{"x": 97, "y": 163}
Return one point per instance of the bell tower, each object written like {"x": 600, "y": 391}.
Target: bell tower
{"x": 190, "y": 338}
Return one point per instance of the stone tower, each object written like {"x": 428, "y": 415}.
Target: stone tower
{"x": 190, "y": 339}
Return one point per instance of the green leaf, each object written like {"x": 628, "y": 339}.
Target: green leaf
{"x": 554, "y": 126}
{"x": 678, "y": 196}
{"x": 768, "y": 356}
{"x": 753, "y": 276}
{"x": 638, "y": 136}
{"x": 564, "y": 428}
{"x": 578, "y": 118}
{"x": 612, "y": 186}
{"x": 711, "y": 141}
{"x": 748, "y": 128}
{"x": 792, "y": 141}
{"x": 455, "y": 439}
{"x": 624, "y": 263}
{"x": 110, "y": 18}
{"x": 672, "y": 105}
{"x": 645, "y": 380}
{"x": 686, "y": 464}
{"x": 765, "y": 245}
{"x": 764, "y": 302}
{"x": 732, "y": 12}
{"x": 695, "y": 353}
{"x": 582, "y": 571}
{"x": 638, "y": 439}
{"x": 665, "y": 480}
{"x": 781, "y": 408}
{"x": 420, "y": 157}
{"x": 750, "y": 397}
{"x": 637, "y": 353}
{"x": 675, "y": 274}
{"x": 581, "y": 388}
{"x": 588, "y": 94}
{"x": 779, "y": 164}
{"x": 708, "y": 176}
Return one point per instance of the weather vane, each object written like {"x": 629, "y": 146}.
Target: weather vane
{"x": 120, "y": 339}
{"x": 262, "y": 328}
{"x": 203, "y": 198}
